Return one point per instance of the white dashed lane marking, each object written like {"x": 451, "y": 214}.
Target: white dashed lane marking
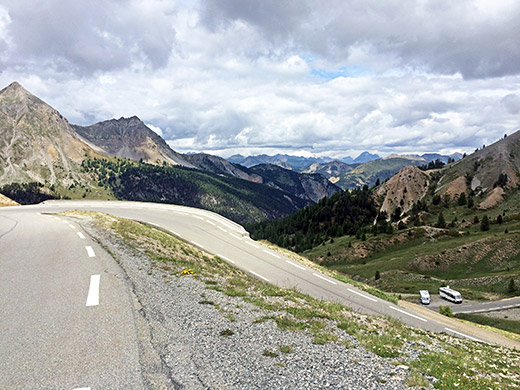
{"x": 272, "y": 254}
{"x": 295, "y": 265}
{"x": 72, "y": 227}
{"x": 408, "y": 314}
{"x": 235, "y": 236}
{"x": 362, "y": 295}
{"x": 174, "y": 232}
{"x": 221, "y": 228}
{"x": 324, "y": 278}
{"x": 211, "y": 223}
{"x": 93, "y": 291}
{"x": 81, "y": 235}
{"x": 90, "y": 251}
{"x": 252, "y": 244}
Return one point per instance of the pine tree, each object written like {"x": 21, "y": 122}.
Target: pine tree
{"x": 511, "y": 288}
{"x": 462, "y": 199}
{"x": 441, "y": 222}
{"x": 484, "y": 225}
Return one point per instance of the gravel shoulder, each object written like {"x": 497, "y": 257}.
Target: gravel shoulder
{"x": 182, "y": 346}
{"x": 194, "y": 336}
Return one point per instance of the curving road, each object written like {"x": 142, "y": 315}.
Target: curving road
{"x": 67, "y": 316}
{"x": 228, "y": 240}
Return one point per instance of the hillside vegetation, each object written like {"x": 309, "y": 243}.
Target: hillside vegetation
{"x": 343, "y": 213}
{"x": 457, "y": 225}
{"x": 239, "y": 200}
{"x": 428, "y": 359}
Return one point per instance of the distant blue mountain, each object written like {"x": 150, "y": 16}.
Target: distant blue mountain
{"x": 442, "y": 157}
{"x": 296, "y": 163}
{"x": 365, "y": 157}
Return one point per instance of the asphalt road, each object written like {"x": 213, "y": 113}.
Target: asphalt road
{"x": 66, "y": 317}
{"x": 219, "y": 236}
{"x": 481, "y": 307}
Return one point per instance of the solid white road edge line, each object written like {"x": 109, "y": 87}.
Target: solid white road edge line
{"x": 408, "y": 314}
{"x": 325, "y": 279}
{"x": 93, "y": 291}
{"x": 260, "y": 276}
{"x": 225, "y": 258}
{"x": 272, "y": 254}
{"x": 80, "y": 235}
{"x": 196, "y": 244}
{"x": 362, "y": 295}
{"x": 295, "y": 265}
{"x": 90, "y": 251}
{"x": 463, "y": 335}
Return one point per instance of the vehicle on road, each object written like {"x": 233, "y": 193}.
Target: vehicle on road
{"x": 450, "y": 294}
{"x": 425, "y": 297}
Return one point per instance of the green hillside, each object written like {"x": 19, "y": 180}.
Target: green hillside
{"x": 343, "y": 213}
{"x": 480, "y": 263}
{"x": 240, "y": 200}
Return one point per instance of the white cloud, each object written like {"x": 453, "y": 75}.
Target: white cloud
{"x": 293, "y": 76}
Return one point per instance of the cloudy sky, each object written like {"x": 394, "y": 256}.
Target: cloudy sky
{"x": 331, "y": 77}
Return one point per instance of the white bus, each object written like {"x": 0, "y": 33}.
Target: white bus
{"x": 450, "y": 295}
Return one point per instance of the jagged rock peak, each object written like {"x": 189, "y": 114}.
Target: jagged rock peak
{"x": 15, "y": 89}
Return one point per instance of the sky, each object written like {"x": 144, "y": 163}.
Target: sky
{"x": 301, "y": 77}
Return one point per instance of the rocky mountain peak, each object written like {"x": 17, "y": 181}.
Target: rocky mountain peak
{"x": 36, "y": 141}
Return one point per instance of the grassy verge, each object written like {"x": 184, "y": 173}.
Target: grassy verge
{"x": 336, "y": 275}
{"x": 499, "y": 323}
{"x": 448, "y": 362}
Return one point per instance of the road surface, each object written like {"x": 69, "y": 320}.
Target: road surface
{"x": 220, "y": 236}
{"x": 66, "y": 315}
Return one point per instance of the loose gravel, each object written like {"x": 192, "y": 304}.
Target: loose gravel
{"x": 193, "y": 337}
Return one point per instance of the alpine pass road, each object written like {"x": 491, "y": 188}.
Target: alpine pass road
{"x": 64, "y": 306}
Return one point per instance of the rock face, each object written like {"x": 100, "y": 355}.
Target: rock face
{"x": 403, "y": 190}
{"x": 481, "y": 171}
{"x": 130, "y": 138}
{"x": 332, "y": 170}
{"x": 36, "y": 142}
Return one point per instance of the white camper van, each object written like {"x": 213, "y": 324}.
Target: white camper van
{"x": 450, "y": 294}
{"x": 425, "y": 297}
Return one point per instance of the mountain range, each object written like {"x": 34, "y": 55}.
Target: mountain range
{"x": 37, "y": 144}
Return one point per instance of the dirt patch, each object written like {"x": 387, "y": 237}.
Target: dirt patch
{"x": 403, "y": 190}
{"x": 495, "y": 197}
{"x": 5, "y": 201}
{"x": 454, "y": 189}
